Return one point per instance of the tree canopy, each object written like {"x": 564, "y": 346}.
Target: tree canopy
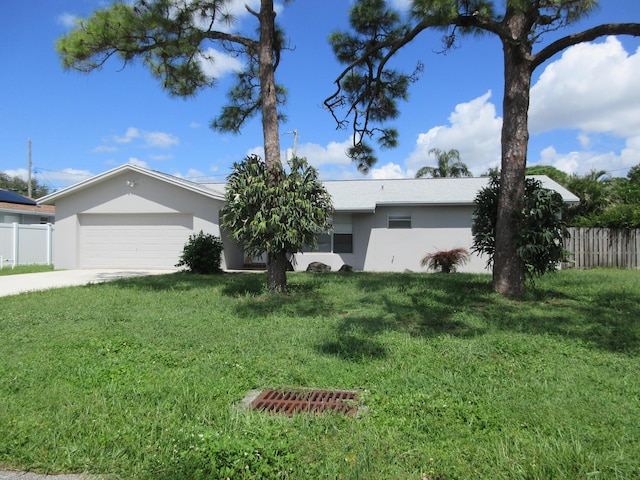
{"x": 19, "y": 185}
{"x": 607, "y": 202}
{"x": 368, "y": 89}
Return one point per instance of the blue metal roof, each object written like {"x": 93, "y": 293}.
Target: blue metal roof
{"x": 12, "y": 197}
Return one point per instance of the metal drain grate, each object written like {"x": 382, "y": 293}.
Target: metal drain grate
{"x": 291, "y": 402}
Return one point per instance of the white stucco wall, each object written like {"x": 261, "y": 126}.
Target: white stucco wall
{"x": 115, "y": 196}
{"x": 378, "y": 248}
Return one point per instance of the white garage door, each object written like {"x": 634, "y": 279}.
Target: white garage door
{"x": 133, "y": 241}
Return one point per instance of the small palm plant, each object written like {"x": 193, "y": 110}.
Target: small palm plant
{"x": 446, "y": 261}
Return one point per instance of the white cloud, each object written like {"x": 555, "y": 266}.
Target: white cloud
{"x": 473, "y": 130}
{"x": 402, "y": 5}
{"x": 130, "y": 134}
{"x": 57, "y": 179}
{"x": 65, "y": 177}
{"x": 67, "y": 20}
{"x": 192, "y": 174}
{"x": 581, "y": 162}
{"x": 332, "y": 154}
{"x": 238, "y": 8}
{"x": 259, "y": 151}
{"x": 216, "y": 64}
{"x": 160, "y": 139}
{"x": 137, "y": 162}
{"x": 18, "y": 172}
{"x": 149, "y": 139}
{"x": 390, "y": 170}
{"x": 592, "y": 87}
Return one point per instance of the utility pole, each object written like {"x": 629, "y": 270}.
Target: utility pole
{"x": 29, "y": 192}
{"x": 295, "y": 141}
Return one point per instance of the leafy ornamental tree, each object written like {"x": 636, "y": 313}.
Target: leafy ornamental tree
{"x": 277, "y": 217}
{"x": 19, "y": 185}
{"x": 172, "y": 38}
{"x": 368, "y": 90}
{"x": 449, "y": 165}
{"x": 540, "y": 231}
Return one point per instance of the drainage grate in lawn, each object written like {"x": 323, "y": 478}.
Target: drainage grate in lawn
{"x": 316, "y": 401}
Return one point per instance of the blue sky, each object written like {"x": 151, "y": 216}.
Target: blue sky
{"x": 585, "y": 108}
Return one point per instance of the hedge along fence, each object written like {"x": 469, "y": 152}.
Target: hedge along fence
{"x": 25, "y": 244}
{"x": 602, "y": 247}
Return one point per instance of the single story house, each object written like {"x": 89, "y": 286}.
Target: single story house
{"x": 133, "y": 217}
{"x": 15, "y": 208}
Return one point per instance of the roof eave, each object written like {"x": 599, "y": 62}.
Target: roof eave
{"x": 52, "y": 197}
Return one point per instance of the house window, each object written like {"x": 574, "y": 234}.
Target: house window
{"x": 399, "y": 220}
{"x": 324, "y": 243}
{"x": 338, "y": 241}
{"x": 342, "y": 233}
{"x": 342, "y": 243}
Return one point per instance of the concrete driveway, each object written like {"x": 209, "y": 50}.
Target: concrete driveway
{"x": 28, "y": 282}
{"x": 15, "y": 475}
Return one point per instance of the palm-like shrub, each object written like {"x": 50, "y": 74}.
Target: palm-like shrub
{"x": 446, "y": 261}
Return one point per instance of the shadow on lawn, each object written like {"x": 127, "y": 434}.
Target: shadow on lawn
{"x": 421, "y": 305}
{"x": 608, "y": 320}
{"x": 426, "y": 305}
{"x": 465, "y": 306}
{"x": 232, "y": 284}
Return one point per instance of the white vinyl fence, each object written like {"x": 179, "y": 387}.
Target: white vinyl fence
{"x": 25, "y": 244}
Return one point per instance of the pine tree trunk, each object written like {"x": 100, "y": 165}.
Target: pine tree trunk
{"x": 508, "y": 268}
{"x": 276, "y": 262}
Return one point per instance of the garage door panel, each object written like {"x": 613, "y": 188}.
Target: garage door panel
{"x": 133, "y": 241}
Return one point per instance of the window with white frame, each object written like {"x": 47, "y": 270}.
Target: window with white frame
{"x": 399, "y": 220}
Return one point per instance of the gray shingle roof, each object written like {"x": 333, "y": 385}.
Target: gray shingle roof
{"x": 348, "y": 195}
{"x": 366, "y": 195}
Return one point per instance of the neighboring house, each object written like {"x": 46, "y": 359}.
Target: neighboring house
{"x": 132, "y": 217}
{"x": 15, "y": 208}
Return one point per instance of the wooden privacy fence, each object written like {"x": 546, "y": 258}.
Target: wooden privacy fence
{"x": 25, "y": 244}
{"x": 602, "y": 247}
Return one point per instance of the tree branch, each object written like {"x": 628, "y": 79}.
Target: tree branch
{"x": 585, "y": 36}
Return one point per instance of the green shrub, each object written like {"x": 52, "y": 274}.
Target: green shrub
{"x": 202, "y": 254}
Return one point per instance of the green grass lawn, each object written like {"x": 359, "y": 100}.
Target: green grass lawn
{"x": 138, "y": 378}
{"x": 25, "y": 269}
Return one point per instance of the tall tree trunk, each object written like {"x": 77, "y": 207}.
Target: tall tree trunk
{"x": 276, "y": 266}
{"x": 508, "y": 267}
{"x": 277, "y": 271}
